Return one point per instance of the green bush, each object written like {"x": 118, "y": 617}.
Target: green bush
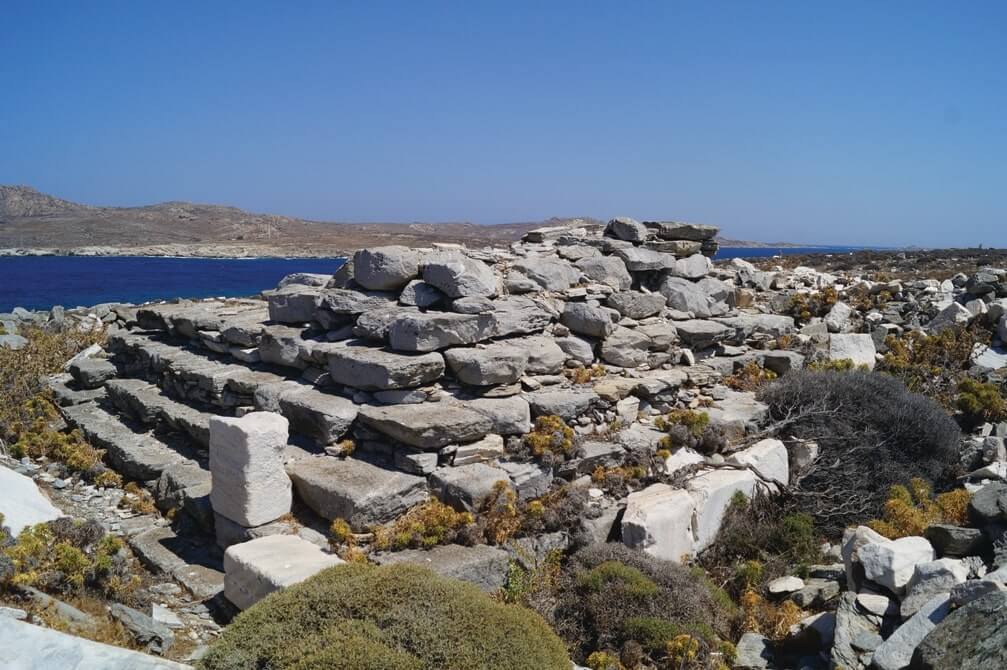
{"x": 401, "y": 617}
{"x": 614, "y": 599}
{"x": 980, "y": 402}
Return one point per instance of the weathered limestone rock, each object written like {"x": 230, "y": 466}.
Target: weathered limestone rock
{"x": 29, "y": 647}
{"x": 323, "y": 417}
{"x": 466, "y": 486}
{"x": 427, "y": 425}
{"x": 458, "y": 276}
{"x": 855, "y": 539}
{"x": 253, "y": 570}
{"x": 91, "y": 373}
{"x": 497, "y": 363}
{"x": 482, "y": 565}
{"x": 753, "y": 652}
{"x": 636, "y": 305}
{"x": 954, "y": 314}
{"x": 838, "y": 317}
{"x": 626, "y": 348}
{"x": 638, "y": 259}
{"x": 22, "y": 503}
{"x": 696, "y": 266}
{"x": 508, "y": 416}
{"x": 577, "y": 348}
{"x": 625, "y": 228}
{"x": 545, "y": 357}
{"x": 588, "y": 320}
{"x": 293, "y": 304}
{"x": 713, "y": 491}
{"x": 930, "y": 579}
{"x": 250, "y": 486}
{"x": 769, "y": 457}
{"x": 892, "y": 563}
{"x": 701, "y": 334}
{"x": 371, "y": 369}
{"x": 418, "y": 293}
{"x": 857, "y": 347}
{"x": 675, "y": 230}
{"x": 954, "y": 541}
{"x": 352, "y": 489}
{"x": 607, "y": 270}
{"x": 551, "y": 274}
{"x": 566, "y": 404}
{"x": 688, "y": 296}
{"x": 351, "y": 302}
{"x": 430, "y": 331}
{"x": 385, "y": 268}
{"x": 659, "y": 520}
{"x": 852, "y": 624}
{"x": 896, "y": 652}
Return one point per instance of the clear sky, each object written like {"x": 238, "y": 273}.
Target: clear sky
{"x": 842, "y": 122}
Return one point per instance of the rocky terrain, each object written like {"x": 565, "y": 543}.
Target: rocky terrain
{"x": 615, "y": 367}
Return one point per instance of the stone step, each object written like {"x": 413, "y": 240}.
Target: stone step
{"x": 135, "y": 454}
{"x": 149, "y": 405}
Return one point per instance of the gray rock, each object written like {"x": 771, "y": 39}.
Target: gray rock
{"x": 638, "y": 259}
{"x": 323, "y": 417}
{"x": 497, "y": 363}
{"x": 636, "y": 305}
{"x": 436, "y": 330}
{"x": 929, "y": 579}
{"x": 12, "y": 341}
{"x": 954, "y": 541}
{"x": 974, "y": 589}
{"x": 700, "y": 334}
{"x": 607, "y": 270}
{"x": 973, "y": 637}
{"x": 29, "y": 647}
{"x": 696, "y": 266}
{"x": 549, "y": 273}
{"x": 472, "y": 305}
{"x": 625, "y": 228}
{"x": 351, "y": 302}
{"x": 989, "y": 504}
{"x": 385, "y": 268}
{"x": 371, "y": 369}
{"x": 482, "y": 565}
{"x": 754, "y": 652}
{"x": 90, "y": 373}
{"x": 418, "y": 293}
{"x": 352, "y": 489}
{"x": 305, "y": 279}
{"x": 781, "y": 361}
{"x": 293, "y": 304}
{"x": 545, "y": 357}
{"x": 838, "y": 317}
{"x": 427, "y": 425}
{"x": 626, "y": 348}
{"x": 508, "y": 416}
{"x": 566, "y": 404}
{"x": 851, "y": 625}
{"x": 857, "y": 347}
{"x": 688, "y": 296}
{"x": 585, "y": 319}
{"x": 152, "y": 635}
{"x": 530, "y": 480}
{"x": 896, "y": 652}
{"x": 465, "y": 487}
{"x": 675, "y": 230}
{"x": 577, "y": 348}
{"x": 746, "y": 325}
{"x": 459, "y": 276}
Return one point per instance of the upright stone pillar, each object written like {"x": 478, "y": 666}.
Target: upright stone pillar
{"x": 250, "y": 485}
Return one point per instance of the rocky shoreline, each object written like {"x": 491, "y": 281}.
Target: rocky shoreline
{"x": 615, "y": 366}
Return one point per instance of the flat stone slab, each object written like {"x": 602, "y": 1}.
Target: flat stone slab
{"x": 323, "y": 417}
{"x": 464, "y": 487}
{"x": 565, "y": 404}
{"x": 373, "y": 369}
{"x": 196, "y": 566}
{"x": 28, "y": 647}
{"x": 482, "y": 565}
{"x": 254, "y": 569}
{"x": 352, "y": 489}
{"x": 22, "y": 503}
{"x": 427, "y": 425}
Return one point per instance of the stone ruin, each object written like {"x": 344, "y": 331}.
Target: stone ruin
{"x": 432, "y": 364}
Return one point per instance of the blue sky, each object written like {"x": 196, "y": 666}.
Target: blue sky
{"x": 849, "y": 123}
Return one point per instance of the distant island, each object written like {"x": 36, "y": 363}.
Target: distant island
{"x": 36, "y": 223}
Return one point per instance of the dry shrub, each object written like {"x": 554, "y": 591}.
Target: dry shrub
{"x": 805, "y": 306}
{"x": 751, "y": 377}
{"x": 933, "y": 364}
{"x": 910, "y": 509}
{"x": 615, "y": 600}
{"x": 551, "y": 440}
{"x": 585, "y": 375}
{"x": 395, "y": 617}
{"x": 980, "y": 403}
{"x": 689, "y": 428}
{"x": 138, "y": 499}
{"x": 770, "y": 619}
{"x": 427, "y": 525}
{"x": 872, "y": 433}
{"x": 23, "y": 372}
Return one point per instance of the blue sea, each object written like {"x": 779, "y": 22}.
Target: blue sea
{"x": 39, "y": 282}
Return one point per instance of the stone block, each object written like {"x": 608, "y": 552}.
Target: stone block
{"x": 253, "y": 570}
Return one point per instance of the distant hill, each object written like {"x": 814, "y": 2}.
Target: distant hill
{"x": 30, "y": 219}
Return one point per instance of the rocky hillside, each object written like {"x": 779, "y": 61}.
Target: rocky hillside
{"x": 675, "y": 464}
{"x": 38, "y": 223}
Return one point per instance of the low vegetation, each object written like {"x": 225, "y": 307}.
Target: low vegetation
{"x": 551, "y": 440}
{"x": 618, "y": 605}
{"x": 805, "y": 306}
{"x": 980, "y": 402}
{"x": 751, "y": 377}
{"x": 690, "y": 428}
{"x": 869, "y": 428}
{"x": 910, "y": 509}
{"x": 358, "y": 617}
{"x": 424, "y": 526}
